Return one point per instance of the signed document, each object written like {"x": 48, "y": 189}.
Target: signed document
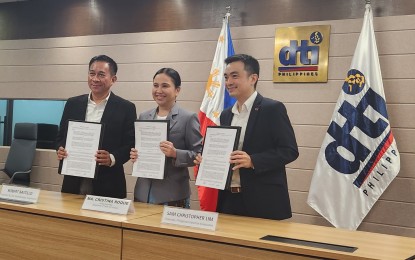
{"x": 82, "y": 143}
{"x": 215, "y": 169}
{"x": 151, "y": 160}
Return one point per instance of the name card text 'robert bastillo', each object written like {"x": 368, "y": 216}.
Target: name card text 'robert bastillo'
{"x": 20, "y": 194}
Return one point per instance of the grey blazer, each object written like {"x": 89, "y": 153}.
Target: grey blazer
{"x": 185, "y": 135}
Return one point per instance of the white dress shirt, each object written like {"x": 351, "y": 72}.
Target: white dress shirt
{"x": 94, "y": 113}
{"x": 240, "y": 118}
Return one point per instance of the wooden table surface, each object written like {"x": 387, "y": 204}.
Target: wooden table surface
{"x": 65, "y": 205}
{"x": 248, "y": 231}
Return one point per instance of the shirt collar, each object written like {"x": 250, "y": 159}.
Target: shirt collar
{"x": 247, "y": 105}
{"x": 90, "y": 101}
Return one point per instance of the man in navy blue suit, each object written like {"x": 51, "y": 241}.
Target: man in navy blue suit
{"x": 259, "y": 182}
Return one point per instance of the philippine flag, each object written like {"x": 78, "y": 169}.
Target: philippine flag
{"x": 216, "y": 99}
{"x": 359, "y": 157}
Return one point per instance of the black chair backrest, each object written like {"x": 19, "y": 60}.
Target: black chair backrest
{"x": 46, "y": 135}
{"x": 23, "y": 148}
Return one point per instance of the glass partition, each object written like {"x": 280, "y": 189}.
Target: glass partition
{"x": 46, "y": 113}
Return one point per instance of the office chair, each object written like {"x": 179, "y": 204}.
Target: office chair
{"x": 46, "y": 135}
{"x": 22, "y": 151}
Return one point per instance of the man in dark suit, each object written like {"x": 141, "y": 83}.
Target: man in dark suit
{"x": 117, "y": 116}
{"x": 259, "y": 181}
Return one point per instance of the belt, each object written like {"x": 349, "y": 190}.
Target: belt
{"x": 235, "y": 189}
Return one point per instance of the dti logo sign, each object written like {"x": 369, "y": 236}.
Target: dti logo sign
{"x": 309, "y": 55}
{"x": 301, "y": 54}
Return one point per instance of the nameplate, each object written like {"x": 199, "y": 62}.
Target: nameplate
{"x": 108, "y": 205}
{"x": 190, "y": 218}
{"x": 19, "y": 193}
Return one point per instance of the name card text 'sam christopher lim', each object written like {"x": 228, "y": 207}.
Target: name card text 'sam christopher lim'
{"x": 190, "y": 218}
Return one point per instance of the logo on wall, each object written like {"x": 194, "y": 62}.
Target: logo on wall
{"x": 301, "y": 54}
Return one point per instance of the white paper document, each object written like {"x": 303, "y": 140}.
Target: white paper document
{"x": 151, "y": 160}
{"x": 82, "y": 143}
{"x": 217, "y": 148}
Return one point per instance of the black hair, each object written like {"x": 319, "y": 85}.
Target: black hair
{"x": 173, "y": 74}
{"x": 111, "y": 63}
{"x": 251, "y": 65}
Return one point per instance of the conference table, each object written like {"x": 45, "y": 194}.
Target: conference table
{"x": 57, "y": 228}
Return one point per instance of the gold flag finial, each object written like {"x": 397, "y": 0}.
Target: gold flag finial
{"x": 228, "y": 11}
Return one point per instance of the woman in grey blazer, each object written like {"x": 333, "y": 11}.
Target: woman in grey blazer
{"x": 185, "y": 141}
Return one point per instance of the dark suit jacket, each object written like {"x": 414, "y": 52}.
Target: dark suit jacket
{"x": 118, "y": 119}
{"x": 270, "y": 142}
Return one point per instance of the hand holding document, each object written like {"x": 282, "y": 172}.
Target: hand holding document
{"x": 82, "y": 142}
{"x": 215, "y": 167}
{"x": 151, "y": 160}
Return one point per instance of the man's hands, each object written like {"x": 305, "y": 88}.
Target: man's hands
{"x": 133, "y": 154}
{"x": 240, "y": 159}
{"x": 102, "y": 157}
{"x": 62, "y": 153}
